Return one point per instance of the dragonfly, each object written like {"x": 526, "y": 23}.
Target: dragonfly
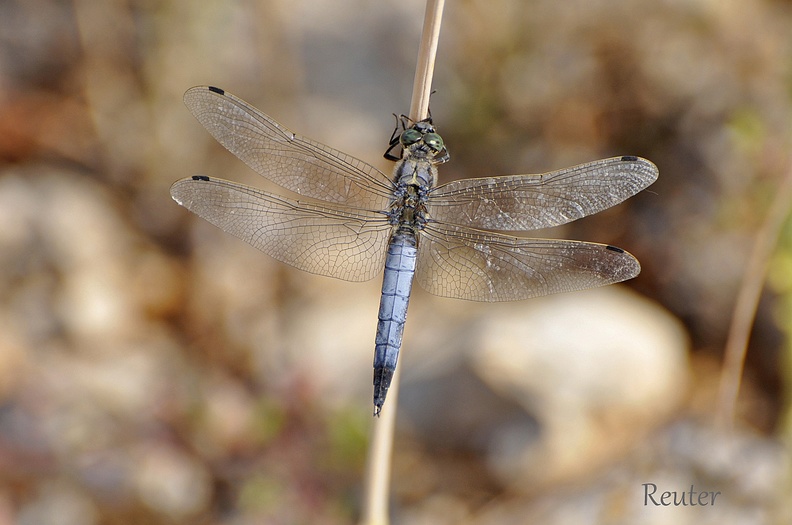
{"x": 352, "y": 222}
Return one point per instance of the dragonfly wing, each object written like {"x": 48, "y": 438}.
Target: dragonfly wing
{"x": 528, "y": 202}
{"x": 468, "y": 264}
{"x": 289, "y": 160}
{"x": 320, "y": 238}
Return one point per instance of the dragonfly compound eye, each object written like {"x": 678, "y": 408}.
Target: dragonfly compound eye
{"x": 410, "y": 136}
{"x": 434, "y": 141}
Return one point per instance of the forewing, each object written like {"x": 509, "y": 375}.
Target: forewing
{"x": 480, "y": 266}
{"x": 320, "y": 238}
{"x": 289, "y": 160}
{"x": 528, "y": 202}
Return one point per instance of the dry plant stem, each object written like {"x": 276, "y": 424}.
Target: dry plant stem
{"x": 748, "y": 301}
{"x": 424, "y": 69}
{"x": 377, "y": 487}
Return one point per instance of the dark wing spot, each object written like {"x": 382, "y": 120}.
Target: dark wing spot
{"x": 200, "y": 177}
{"x": 629, "y": 158}
{"x": 216, "y": 90}
{"x": 609, "y": 247}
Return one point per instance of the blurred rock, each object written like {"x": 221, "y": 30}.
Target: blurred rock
{"x": 171, "y": 483}
{"x": 547, "y": 389}
{"x": 58, "y": 503}
{"x": 748, "y": 470}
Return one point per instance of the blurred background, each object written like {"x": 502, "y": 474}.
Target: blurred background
{"x": 154, "y": 370}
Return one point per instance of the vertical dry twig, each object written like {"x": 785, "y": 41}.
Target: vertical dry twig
{"x": 748, "y": 301}
{"x": 424, "y": 69}
{"x": 375, "y": 503}
{"x": 377, "y": 486}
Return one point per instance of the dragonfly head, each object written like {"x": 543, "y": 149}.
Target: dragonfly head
{"x": 422, "y": 140}
{"x": 419, "y": 139}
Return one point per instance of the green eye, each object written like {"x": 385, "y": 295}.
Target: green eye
{"x": 434, "y": 141}
{"x": 410, "y": 136}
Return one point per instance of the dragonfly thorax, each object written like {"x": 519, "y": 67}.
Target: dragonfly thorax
{"x": 414, "y": 178}
{"x": 414, "y": 171}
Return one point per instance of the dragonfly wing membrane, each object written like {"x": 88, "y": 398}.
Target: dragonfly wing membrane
{"x": 468, "y": 264}
{"x": 529, "y": 202}
{"x": 319, "y": 238}
{"x": 293, "y": 162}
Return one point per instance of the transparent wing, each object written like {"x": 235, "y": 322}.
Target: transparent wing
{"x": 320, "y": 238}
{"x": 528, "y": 202}
{"x": 481, "y": 266}
{"x": 290, "y": 161}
